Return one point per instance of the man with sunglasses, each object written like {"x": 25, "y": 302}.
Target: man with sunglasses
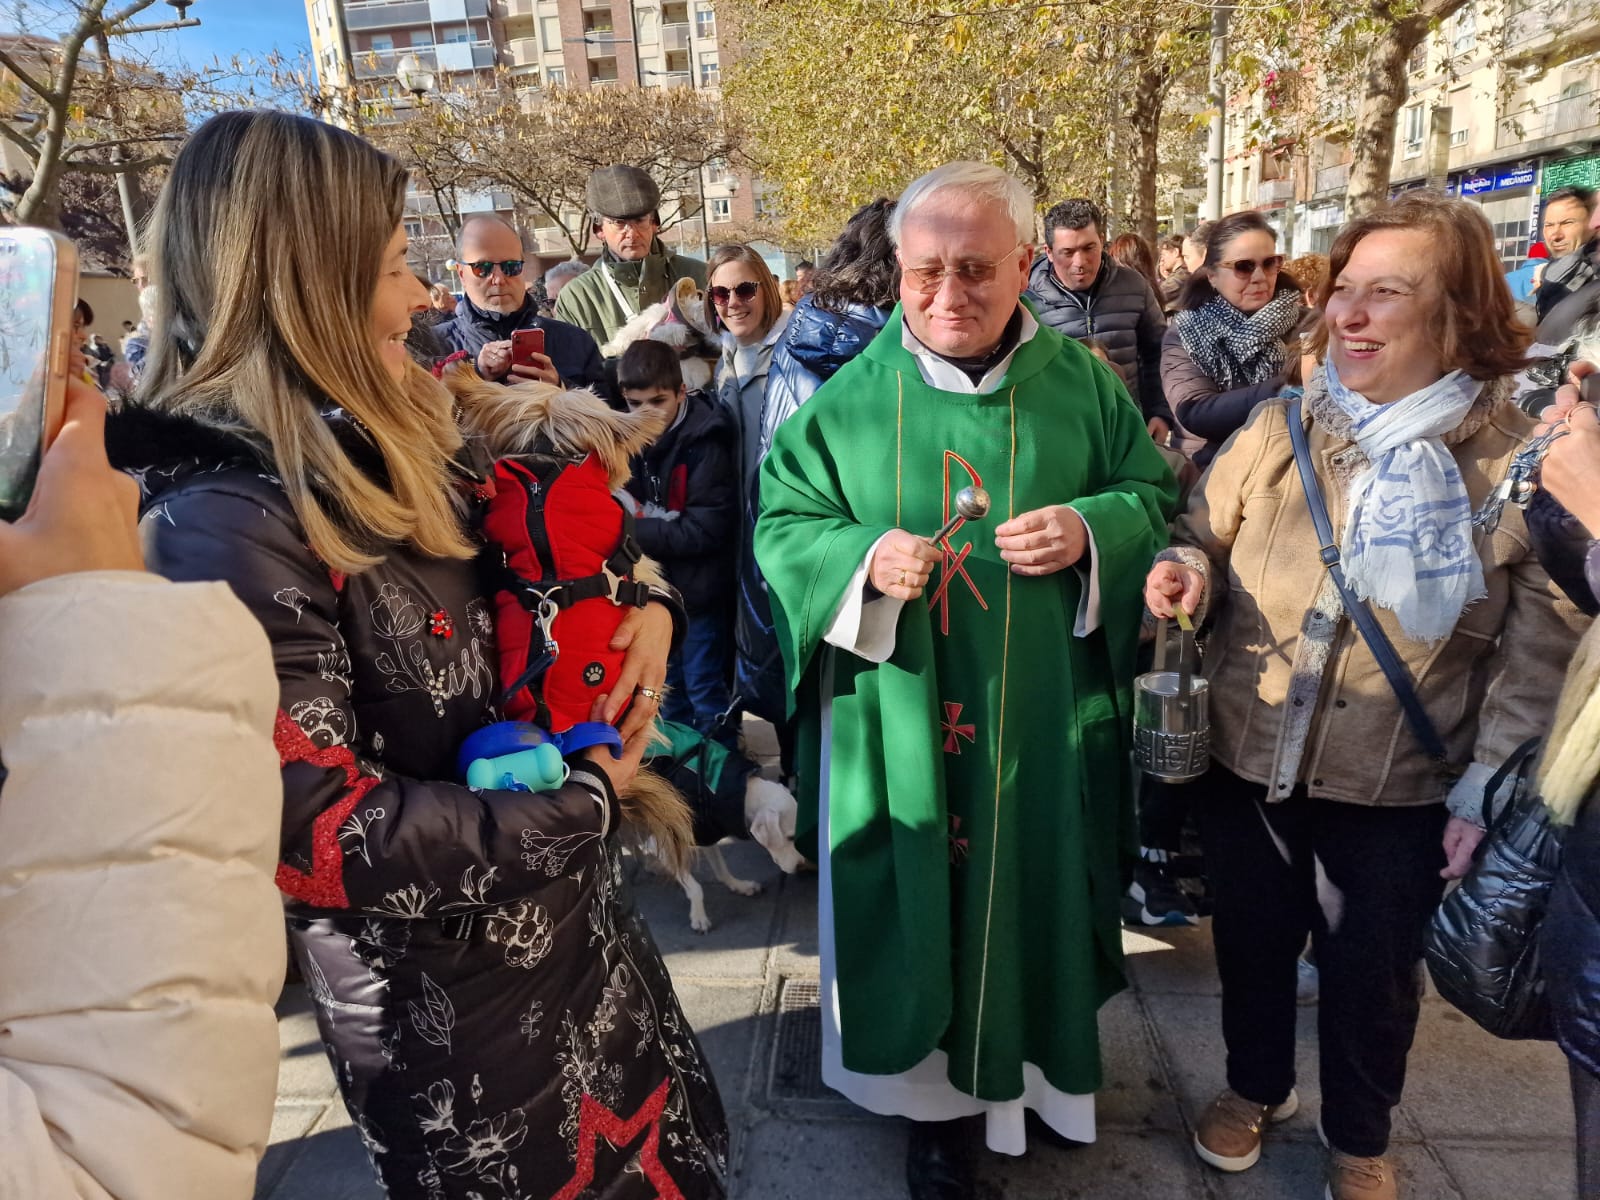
{"x": 968, "y": 696}
{"x": 496, "y": 304}
{"x": 635, "y": 269}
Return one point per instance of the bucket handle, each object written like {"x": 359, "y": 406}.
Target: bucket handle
{"x": 1186, "y": 652}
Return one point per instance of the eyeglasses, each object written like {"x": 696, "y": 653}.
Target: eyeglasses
{"x": 1244, "y": 268}
{"x": 928, "y": 280}
{"x": 746, "y": 291}
{"x": 510, "y": 267}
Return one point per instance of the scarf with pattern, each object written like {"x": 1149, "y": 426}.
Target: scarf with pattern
{"x": 1407, "y": 542}
{"x": 1236, "y": 349}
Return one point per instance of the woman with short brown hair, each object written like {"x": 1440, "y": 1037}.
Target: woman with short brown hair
{"x": 1322, "y": 812}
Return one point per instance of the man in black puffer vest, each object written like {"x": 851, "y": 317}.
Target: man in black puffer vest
{"x": 1081, "y": 291}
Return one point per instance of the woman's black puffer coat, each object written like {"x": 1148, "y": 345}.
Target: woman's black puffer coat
{"x": 1569, "y": 937}
{"x": 498, "y": 1018}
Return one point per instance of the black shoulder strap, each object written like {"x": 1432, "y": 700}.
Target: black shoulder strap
{"x": 1371, "y": 632}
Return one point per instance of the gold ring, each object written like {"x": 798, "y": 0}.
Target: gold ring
{"x": 902, "y": 577}
{"x": 649, "y": 694}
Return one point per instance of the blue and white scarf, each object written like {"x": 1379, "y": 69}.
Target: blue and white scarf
{"x": 1408, "y": 540}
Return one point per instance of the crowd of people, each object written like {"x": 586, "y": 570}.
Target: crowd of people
{"x": 1104, "y": 432}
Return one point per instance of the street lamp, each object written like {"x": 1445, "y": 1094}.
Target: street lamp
{"x": 413, "y": 75}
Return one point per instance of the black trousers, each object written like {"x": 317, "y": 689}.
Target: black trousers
{"x": 1363, "y": 882}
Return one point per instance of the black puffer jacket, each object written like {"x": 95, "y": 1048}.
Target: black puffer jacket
{"x": 692, "y": 470}
{"x": 487, "y": 995}
{"x": 1121, "y": 313}
{"x": 1569, "y": 938}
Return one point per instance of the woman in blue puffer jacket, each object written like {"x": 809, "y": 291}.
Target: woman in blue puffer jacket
{"x": 854, "y": 291}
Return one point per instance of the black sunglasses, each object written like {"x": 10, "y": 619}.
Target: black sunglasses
{"x": 745, "y": 291}
{"x": 510, "y": 267}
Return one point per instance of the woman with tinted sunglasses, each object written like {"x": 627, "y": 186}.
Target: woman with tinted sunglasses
{"x": 1228, "y": 346}
{"x": 744, "y": 304}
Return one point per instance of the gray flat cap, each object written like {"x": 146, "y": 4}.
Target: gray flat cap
{"x": 622, "y": 191}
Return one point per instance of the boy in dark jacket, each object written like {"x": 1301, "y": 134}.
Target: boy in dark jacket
{"x": 685, "y": 485}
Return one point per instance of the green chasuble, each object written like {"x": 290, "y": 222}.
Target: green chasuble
{"x": 980, "y": 790}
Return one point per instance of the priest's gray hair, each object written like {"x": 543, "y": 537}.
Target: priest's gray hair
{"x": 978, "y": 181}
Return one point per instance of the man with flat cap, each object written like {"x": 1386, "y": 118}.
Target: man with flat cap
{"x": 634, "y": 270}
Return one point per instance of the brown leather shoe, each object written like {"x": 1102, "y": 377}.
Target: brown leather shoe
{"x": 1352, "y": 1178}
{"x": 1229, "y": 1133}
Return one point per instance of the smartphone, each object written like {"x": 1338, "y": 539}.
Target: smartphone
{"x": 524, "y": 344}
{"x": 38, "y": 292}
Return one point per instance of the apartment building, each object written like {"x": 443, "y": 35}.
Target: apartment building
{"x": 588, "y": 43}
{"x": 1503, "y": 108}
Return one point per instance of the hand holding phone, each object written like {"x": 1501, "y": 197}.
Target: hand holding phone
{"x": 84, "y": 514}
{"x": 38, "y": 292}
{"x": 525, "y": 343}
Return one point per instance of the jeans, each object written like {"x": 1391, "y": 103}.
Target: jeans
{"x": 698, "y": 673}
{"x": 1363, "y": 881}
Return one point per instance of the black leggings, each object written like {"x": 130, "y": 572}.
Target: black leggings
{"x": 1362, "y": 881}
{"x": 1586, "y": 1107}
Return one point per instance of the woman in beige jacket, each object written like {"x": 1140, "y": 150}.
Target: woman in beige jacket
{"x": 1322, "y": 814}
{"x": 141, "y": 934}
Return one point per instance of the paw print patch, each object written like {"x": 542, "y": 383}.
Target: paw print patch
{"x": 594, "y": 674}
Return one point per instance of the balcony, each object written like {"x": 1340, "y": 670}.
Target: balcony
{"x": 1274, "y": 192}
{"x": 515, "y": 9}
{"x": 1550, "y": 125}
{"x": 1533, "y": 27}
{"x": 1333, "y": 179}
{"x": 603, "y": 45}
{"x": 675, "y": 37}
{"x": 452, "y": 57}
{"x": 522, "y": 52}
{"x": 361, "y": 15}
{"x": 384, "y": 14}
{"x": 591, "y": 5}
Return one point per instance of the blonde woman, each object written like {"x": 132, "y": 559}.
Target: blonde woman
{"x": 490, "y": 1004}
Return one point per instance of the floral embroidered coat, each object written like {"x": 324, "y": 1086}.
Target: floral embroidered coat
{"x": 498, "y": 1017}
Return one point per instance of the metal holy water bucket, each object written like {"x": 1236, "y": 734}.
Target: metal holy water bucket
{"x": 1172, "y": 714}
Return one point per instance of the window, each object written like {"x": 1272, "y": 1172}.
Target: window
{"x": 705, "y": 23}
{"x": 721, "y": 210}
{"x": 764, "y": 208}
{"x": 382, "y": 43}
{"x": 717, "y": 171}
{"x": 456, "y": 35}
{"x": 555, "y": 75}
{"x": 1415, "y": 119}
{"x": 1418, "y": 62}
{"x": 1463, "y": 31}
{"x": 550, "y": 32}
{"x": 414, "y": 230}
{"x": 710, "y": 73}
{"x": 1458, "y": 137}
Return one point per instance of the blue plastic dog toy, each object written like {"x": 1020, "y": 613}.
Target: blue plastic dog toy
{"x": 515, "y": 756}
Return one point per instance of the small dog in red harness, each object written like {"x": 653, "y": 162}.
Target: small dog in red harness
{"x": 568, "y": 572}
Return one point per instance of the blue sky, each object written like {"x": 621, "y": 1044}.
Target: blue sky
{"x": 229, "y": 27}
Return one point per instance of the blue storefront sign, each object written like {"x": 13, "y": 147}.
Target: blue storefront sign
{"x": 1475, "y": 185}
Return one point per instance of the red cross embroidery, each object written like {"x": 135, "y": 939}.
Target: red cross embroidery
{"x": 953, "y": 732}
{"x": 959, "y": 846}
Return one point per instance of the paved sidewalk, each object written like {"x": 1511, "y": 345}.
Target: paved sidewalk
{"x": 1482, "y": 1119}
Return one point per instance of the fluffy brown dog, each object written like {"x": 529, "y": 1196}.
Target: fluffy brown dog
{"x": 510, "y": 422}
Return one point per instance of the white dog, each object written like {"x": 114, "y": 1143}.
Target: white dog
{"x": 769, "y": 814}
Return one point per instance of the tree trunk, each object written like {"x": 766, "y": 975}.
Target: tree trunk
{"x": 1383, "y": 93}
{"x": 1149, "y": 97}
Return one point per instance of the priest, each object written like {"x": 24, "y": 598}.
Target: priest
{"x": 965, "y": 705}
